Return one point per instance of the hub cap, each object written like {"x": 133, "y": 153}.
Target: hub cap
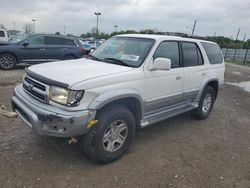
{"x": 207, "y": 103}
{"x": 6, "y": 62}
{"x": 115, "y": 135}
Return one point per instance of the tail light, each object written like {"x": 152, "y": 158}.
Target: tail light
{"x": 82, "y": 50}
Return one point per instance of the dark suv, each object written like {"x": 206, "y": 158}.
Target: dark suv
{"x": 40, "y": 48}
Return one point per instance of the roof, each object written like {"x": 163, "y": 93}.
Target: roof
{"x": 163, "y": 37}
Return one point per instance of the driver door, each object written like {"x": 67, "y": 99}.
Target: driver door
{"x": 33, "y": 50}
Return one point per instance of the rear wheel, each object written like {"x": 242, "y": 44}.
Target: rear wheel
{"x": 110, "y": 138}
{"x": 205, "y": 105}
{"x": 7, "y": 61}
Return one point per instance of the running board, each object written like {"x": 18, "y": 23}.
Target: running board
{"x": 168, "y": 113}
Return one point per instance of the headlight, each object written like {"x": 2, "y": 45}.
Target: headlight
{"x": 65, "y": 96}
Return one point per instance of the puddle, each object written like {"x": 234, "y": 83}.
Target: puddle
{"x": 237, "y": 73}
{"x": 243, "y": 85}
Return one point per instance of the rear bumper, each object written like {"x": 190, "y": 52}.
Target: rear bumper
{"x": 48, "y": 120}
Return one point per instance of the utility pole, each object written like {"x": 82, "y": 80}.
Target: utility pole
{"x": 97, "y": 20}
{"x": 34, "y": 28}
{"x": 237, "y": 34}
{"x": 215, "y": 34}
{"x": 14, "y": 25}
{"x": 115, "y": 27}
{"x": 194, "y": 28}
{"x": 64, "y": 30}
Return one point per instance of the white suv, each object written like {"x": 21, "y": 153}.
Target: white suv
{"x": 129, "y": 81}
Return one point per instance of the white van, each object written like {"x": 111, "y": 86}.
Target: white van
{"x": 3, "y": 36}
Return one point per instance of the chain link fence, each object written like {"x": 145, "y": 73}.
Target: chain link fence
{"x": 241, "y": 56}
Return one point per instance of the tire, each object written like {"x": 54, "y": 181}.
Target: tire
{"x": 68, "y": 57}
{"x": 205, "y": 105}
{"x": 98, "y": 141}
{"x": 7, "y": 61}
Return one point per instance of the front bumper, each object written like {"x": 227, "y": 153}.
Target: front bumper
{"x": 48, "y": 120}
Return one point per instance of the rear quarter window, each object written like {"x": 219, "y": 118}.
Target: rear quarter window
{"x": 213, "y": 53}
{"x": 69, "y": 42}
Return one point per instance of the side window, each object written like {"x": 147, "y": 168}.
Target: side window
{"x": 53, "y": 41}
{"x": 213, "y": 53}
{"x": 69, "y": 42}
{"x": 191, "y": 54}
{"x": 2, "y": 34}
{"x": 38, "y": 40}
{"x": 169, "y": 50}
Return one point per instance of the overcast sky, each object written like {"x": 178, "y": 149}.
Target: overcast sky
{"x": 222, "y": 16}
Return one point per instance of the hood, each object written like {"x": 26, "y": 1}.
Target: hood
{"x": 71, "y": 72}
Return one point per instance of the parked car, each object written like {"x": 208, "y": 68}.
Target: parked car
{"x": 86, "y": 46}
{"x": 94, "y": 44}
{"x": 130, "y": 81}
{"x": 3, "y": 35}
{"x": 39, "y": 48}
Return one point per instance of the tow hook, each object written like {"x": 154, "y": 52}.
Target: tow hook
{"x": 91, "y": 123}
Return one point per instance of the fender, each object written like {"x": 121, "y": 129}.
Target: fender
{"x": 114, "y": 95}
{"x": 203, "y": 85}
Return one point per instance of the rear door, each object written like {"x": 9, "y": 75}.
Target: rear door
{"x": 194, "y": 69}
{"x": 54, "y": 48}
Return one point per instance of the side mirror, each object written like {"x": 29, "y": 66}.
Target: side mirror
{"x": 92, "y": 50}
{"x": 161, "y": 64}
{"x": 25, "y": 44}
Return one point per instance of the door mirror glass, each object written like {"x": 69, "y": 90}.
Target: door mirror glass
{"x": 161, "y": 64}
{"x": 25, "y": 44}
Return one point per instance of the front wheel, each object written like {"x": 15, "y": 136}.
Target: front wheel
{"x": 205, "y": 105}
{"x": 110, "y": 138}
{"x": 7, "y": 61}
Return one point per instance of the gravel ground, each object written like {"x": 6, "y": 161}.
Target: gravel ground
{"x": 180, "y": 152}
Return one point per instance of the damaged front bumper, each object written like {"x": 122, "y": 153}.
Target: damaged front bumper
{"x": 49, "y": 120}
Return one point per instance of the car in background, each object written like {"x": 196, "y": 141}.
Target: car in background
{"x": 3, "y": 36}
{"x": 40, "y": 48}
{"x": 85, "y": 46}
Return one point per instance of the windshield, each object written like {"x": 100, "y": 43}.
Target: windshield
{"x": 130, "y": 51}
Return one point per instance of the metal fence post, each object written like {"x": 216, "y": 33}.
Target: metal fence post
{"x": 225, "y": 56}
{"x": 245, "y": 58}
{"x": 234, "y": 54}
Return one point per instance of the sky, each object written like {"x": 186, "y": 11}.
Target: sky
{"x": 221, "y": 16}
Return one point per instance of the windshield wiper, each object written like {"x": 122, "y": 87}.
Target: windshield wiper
{"x": 116, "y": 61}
{"x": 94, "y": 57}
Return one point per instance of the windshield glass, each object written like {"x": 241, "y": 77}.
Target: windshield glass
{"x": 129, "y": 50}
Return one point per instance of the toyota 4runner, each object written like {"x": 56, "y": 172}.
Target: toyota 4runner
{"x": 130, "y": 81}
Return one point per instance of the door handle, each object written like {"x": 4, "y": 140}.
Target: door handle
{"x": 178, "y": 77}
{"x": 65, "y": 48}
{"x": 42, "y": 49}
{"x": 204, "y": 73}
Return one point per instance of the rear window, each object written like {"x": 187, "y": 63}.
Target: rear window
{"x": 69, "y": 42}
{"x": 2, "y": 34}
{"x": 213, "y": 53}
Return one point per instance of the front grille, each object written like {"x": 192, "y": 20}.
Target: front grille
{"x": 36, "y": 89}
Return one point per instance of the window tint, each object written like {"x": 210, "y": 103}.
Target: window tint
{"x": 2, "y": 34}
{"x": 213, "y": 52}
{"x": 38, "y": 40}
{"x": 69, "y": 42}
{"x": 53, "y": 41}
{"x": 169, "y": 50}
{"x": 191, "y": 54}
